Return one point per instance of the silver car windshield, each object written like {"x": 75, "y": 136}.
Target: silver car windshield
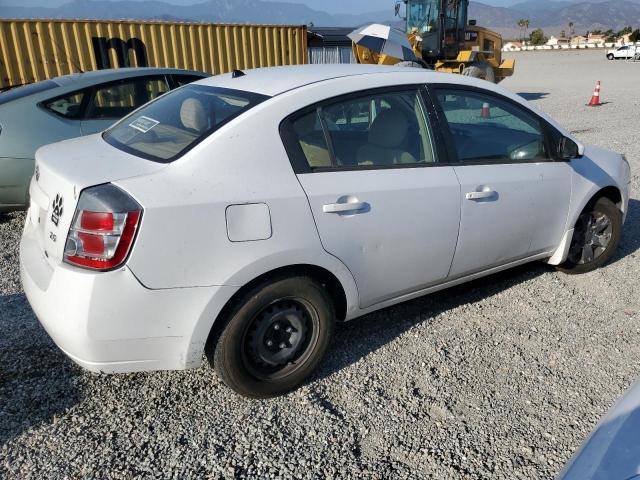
{"x": 168, "y": 127}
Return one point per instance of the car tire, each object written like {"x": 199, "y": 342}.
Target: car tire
{"x": 596, "y": 237}
{"x": 611, "y": 56}
{"x": 480, "y": 70}
{"x": 274, "y": 338}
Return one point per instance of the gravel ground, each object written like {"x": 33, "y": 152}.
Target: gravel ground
{"x": 502, "y": 378}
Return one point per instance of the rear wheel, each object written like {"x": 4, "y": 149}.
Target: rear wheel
{"x": 480, "y": 70}
{"x": 595, "y": 239}
{"x": 275, "y": 337}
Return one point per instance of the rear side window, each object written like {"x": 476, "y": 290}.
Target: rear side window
{"x": 116, "y": 100}
{"x": 168, "y": 127}
{"x": 68, "y": 106}
{"x": 386, "y": 129}
{"x": 26, "y": 90}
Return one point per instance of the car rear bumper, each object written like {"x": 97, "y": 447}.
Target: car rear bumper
{"x": 109, "y": 322}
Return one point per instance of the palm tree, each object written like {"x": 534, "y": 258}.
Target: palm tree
{"x": 526, "y": 27}
{"x": 521, "y": 25}
{"x": 571, "y": 30}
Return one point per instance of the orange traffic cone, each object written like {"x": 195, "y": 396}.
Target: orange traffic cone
{"x": 595, "y": 98}
{"x": 486, "y": 111}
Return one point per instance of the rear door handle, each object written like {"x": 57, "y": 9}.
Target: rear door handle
{"x": 481, "y": 195}
{"x": 344, "y": 207}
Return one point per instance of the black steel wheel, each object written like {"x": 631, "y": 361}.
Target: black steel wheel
{"x": 596, "y": 237}
{"x": 280, "y": 338}
{"x": 274, "y": 337}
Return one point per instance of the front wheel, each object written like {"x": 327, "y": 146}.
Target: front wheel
{"x": 596, "y": 237}
{"x": 611, "y": 56}
{"x": 274, "y": 338}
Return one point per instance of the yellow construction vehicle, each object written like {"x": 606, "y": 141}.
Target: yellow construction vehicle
{"x": 442, "y": 39}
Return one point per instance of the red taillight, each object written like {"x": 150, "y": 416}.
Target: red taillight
{"x": 102, "y": 240}
{"x": 99, "y": 221}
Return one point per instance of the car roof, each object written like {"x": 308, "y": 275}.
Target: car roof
{"x": 274, "y": 81}
{"x": 100, "y": 76}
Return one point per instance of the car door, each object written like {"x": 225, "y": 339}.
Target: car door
{"x": 382, "y": 202}
{"x": 111, "y": 101}
{"x": 514, "y": 197}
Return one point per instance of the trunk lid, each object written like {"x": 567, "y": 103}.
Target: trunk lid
{"x": 63, "y": 170}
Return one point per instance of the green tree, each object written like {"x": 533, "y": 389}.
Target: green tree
{"x": 610, "y": 36}
{"x": 635, "y": 36}
{"x": 537, "y": 37}
{"x": 624, "y": 31}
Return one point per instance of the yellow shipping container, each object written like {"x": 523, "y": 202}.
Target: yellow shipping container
{"x": 34, "y": 50}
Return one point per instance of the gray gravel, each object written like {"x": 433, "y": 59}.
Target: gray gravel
{"x": 502, "y": 378}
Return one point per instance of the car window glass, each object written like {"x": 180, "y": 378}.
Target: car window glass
{"x": 119, "y": 99}
{"x": 485, "y": 128}
{"x": 69, "y": 106}
{"x": 155, "y": 87}
{"x": 185, "y": 79}
{"x": 167, "y": 127}
{"x": 379, "y": 130}
{"x": 310, "y": 137}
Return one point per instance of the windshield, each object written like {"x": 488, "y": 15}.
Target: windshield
{"x": 422, "y": 15}
{"x": 168, "y": 127}
{"x": 31, "y": 89}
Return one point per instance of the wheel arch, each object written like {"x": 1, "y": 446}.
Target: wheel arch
{"x": 329, "y": 280}
{"x": 337, "y": 278}
{"x": 610, "y": 192}
{"x": 613, "y": 193}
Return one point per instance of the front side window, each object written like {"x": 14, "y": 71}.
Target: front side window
{"x": 379, "y": 130}
{"x": 485, "y": 128}
{"x": 166, "y": 128}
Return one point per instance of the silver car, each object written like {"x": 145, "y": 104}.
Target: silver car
{"x": 66, "y": 107}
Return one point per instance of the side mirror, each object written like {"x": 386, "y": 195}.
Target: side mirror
{"x": 473, "y": 23}
{"x": 568, "y": 149}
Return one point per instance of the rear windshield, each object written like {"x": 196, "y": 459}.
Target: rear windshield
{"x": 31, "y": 89}
{"x": 168, "y": 127}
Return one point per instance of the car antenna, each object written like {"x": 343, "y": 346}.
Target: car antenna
{"x": 237, "y": 74}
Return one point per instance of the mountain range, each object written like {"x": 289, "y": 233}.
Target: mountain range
{"x": 552, "y": 16}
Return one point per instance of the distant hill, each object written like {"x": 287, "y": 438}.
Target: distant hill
{"x": 551, "y": 16}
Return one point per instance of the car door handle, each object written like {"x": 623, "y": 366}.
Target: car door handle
{"x": 344, "y": 207}
{"x": 481, "y": 195}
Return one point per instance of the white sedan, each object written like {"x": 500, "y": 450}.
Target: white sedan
{"x": 244, "y": 214}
